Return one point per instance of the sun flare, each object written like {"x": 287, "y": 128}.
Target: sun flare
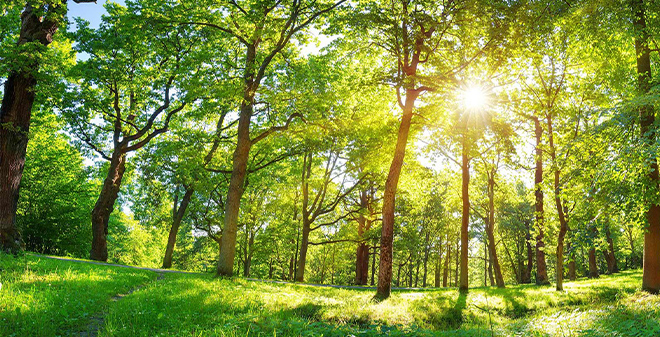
{"x": 473, "y": 98}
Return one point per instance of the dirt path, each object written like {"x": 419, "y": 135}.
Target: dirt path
{"x": 97, "y": 321}
{"x": 162, "y": 271}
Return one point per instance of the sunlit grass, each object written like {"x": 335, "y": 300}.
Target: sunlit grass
{"x": 48, "y": 298}
{"x": 41, "y": 297}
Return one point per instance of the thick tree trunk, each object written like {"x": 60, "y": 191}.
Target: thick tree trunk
{"x": 651, "y": 275}
{"x": 179, "y": 212}
{"x": 465, "y": 219}
{"x": 239, "y": 168}
{"x": 15, "y": 114}
{"x": 490, "y": 228}
{"x": 105, "y": 205}
{"x": 541, "y": 267}
{"x": 389, "y": 195}
{"x": 302, "y": 258}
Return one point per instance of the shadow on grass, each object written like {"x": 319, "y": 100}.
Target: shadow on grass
{"x": 452, "y": 318}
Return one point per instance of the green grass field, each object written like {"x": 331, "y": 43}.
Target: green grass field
{"x": 42, "y": 297}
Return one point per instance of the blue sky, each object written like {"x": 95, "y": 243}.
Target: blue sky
{"x": 91, "y": 12}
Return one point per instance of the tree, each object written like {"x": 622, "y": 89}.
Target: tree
{"x": 39, "y": 23}
{"x": 263, "y": 30}
{"x": 128, "y": 95}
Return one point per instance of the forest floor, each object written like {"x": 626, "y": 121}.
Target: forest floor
{"x": 46, "y": 297}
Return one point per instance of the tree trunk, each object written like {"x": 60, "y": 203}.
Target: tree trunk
{"x": 456, "y": 264}
{"x": 438, "y": 266}
{"x": 612, "y": 266}
{"x": 373, "y": 266}
{"x": 541, "y": 268}
{"x": 563, "y": 223}
{"x": 239, "y": 168}
{"x": 651, "y": 274}
{"x": 465, "y": 220}
{"x": 176, "y": 223}
{"x": 302, "y": 258}
{"x": 571, "y": 264}
{"x": 105, "y": 204}
{"x": 593, "y": 265}
{"x": 445, "y": 274}
{"x": 389, "y": 195}
{"x": 15, "y": 114}
{"x": 362, "y": 254}
{"x": 527, "y": 272}
{"x": 490, "y": 228}
{"x": 426, "y": 259}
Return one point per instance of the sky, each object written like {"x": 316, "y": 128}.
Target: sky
{"x": 89, "y": 11}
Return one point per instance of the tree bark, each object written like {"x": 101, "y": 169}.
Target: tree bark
{"x": 490, "y": 228}
{"x": 15, "y": 114}
{"x": 179, "y": 212}
{"x": 571, "y": 264}
{"x": 302, "y": 258}
{"x": 541, "y": 267}
{"x": 527, "y": 272}
{"x": 426, "y": 259}
{"x": 105, "y": 205}
{"x": 362, "y": 254}
{"x": 465, "y": 219}
{"x": 651, "y": 264}
{"x": 438, "y": 266}
{"x": 389, "y": 195}
{"x": 593, "y": 265}
{"x": 239, "y": 168}
{"x": 612, "y": 266}
{"x": 445, "y": 274}
{"x": 563, "y": 222}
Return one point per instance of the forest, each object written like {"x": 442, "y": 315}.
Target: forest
{"x": 390, "y": 144}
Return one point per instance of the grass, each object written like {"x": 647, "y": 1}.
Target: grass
{"x": 198, "y": 305}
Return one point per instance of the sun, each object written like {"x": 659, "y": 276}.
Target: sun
{"x": 473, "y": 98}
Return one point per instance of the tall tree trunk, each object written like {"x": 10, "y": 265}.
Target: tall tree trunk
{"x": 178, "y": 213}
{"x": 105, "y": 204}
{"x": 563, "y": 222}
{"x": 457, "y": 263}
{"x": 239, "y": 168}
{"x": 15, "y": 114}
{"x": 465, "y": 219}
{"x": 541, "y": 267}
{"x": 490, "y": 228}
{"x": 445, "y": 274}
{"x": 438, "y": 266}
{"x": 389, "y": 195}
{"x": 527, "y": 272}
{"x": 302, "y": 258}
{"x": 651, "y": 274}
{"x": 593, "y": 265}
{"x": 373, "y": 266}
{"x": 571, "y": 264}
{"x": 426, "y": 259}
{"x": 612, "y": 266}
{"x": 362, "y": 254}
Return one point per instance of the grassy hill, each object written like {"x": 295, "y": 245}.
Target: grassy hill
{"x": 43, "y": 297}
